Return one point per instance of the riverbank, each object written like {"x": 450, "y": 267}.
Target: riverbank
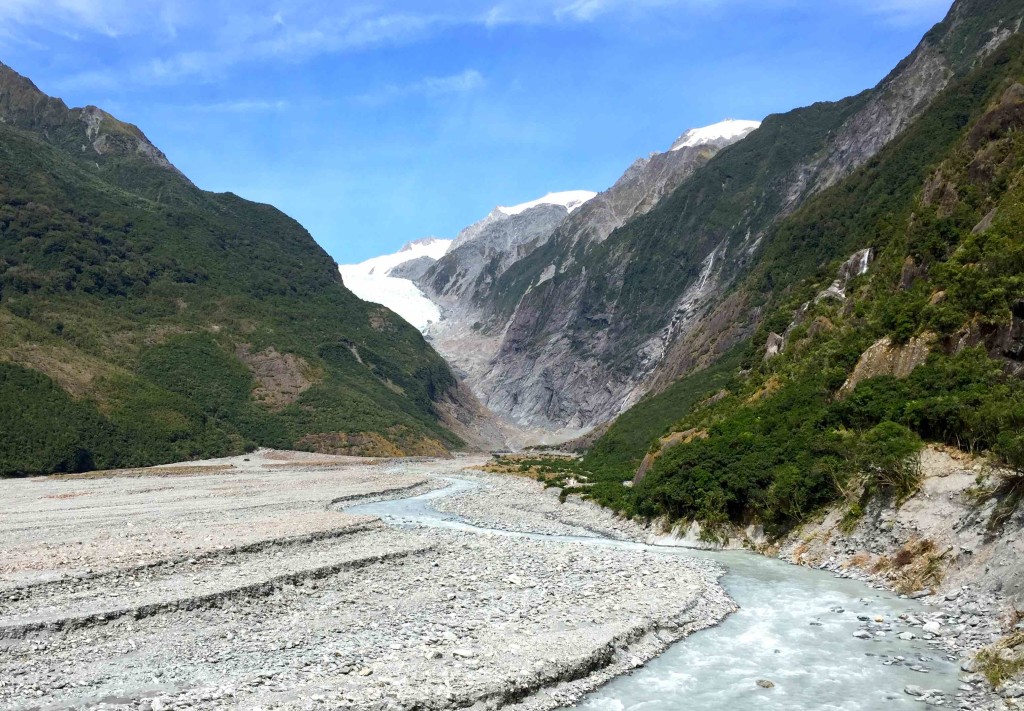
{"x": 238, "y": 584}
{"x": 938, "y": 547}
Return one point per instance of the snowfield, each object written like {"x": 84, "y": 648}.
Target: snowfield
{"x": 570, "y": 200}
{"x": 727, "y": 129}
{"x": 369, "y": 281}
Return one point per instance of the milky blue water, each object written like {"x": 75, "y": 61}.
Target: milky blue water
{"x": 795, "y": 628}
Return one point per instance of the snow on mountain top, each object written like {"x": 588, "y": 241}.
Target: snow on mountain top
{"x": 570, "y": 199}
{"x": 729, "y": 128}
{"x": 429, "y": 247}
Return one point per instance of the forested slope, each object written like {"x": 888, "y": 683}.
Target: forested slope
{"x": 847, "y": 376}
{"x": 143, "y": 320}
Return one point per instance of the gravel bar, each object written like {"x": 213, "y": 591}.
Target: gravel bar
{"x": 243, "y": 587}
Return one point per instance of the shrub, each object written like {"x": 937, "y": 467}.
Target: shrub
{"x": 888, "y": 456}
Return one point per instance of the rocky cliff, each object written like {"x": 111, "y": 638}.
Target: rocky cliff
{"x": 596, "y": 317}
{"x": 471, "y": 282}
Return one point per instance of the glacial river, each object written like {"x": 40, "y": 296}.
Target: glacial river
{"x": 795, "y": 628}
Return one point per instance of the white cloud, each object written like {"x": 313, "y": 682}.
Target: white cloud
{"x": 204, "y": 40}
{"x": 242, "y": 106}
{"x": 584, "y": 10}
{"x": 428, "y": 87}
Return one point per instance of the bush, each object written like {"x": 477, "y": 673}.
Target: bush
{"x": 888, "y": 455}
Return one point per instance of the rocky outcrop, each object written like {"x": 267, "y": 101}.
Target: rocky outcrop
{"x": 413, "y": 269}
{"x": 90, "y": 132}
{"x": 484, "y": 251}
{"x": 888, "y": 358}
{"x": 280, "y": 377}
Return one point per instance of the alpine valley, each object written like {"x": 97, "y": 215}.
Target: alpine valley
{"x": 801, "y": 336}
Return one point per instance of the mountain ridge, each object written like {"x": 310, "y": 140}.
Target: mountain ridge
{"x": 658, "y": 292}
{"x": 148, "y": 321}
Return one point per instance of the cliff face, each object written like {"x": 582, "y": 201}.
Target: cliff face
{"x": 472, "y": 282}
{"x": 598, "y": 316}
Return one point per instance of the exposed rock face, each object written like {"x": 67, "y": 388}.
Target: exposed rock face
{"x": 641, "y": 188}
{"x": 462, "y": 282}
{"x": 483, "y": 251}
{"x": 596, "y": 318}
{"x": 90, "y": 131}
{"x": 413, "y": 269}
{"x": 469, "y": 281}
{"x": 280, "y": 377}
{"x": 774, "y": 345}
{"x": 887, "y": 358}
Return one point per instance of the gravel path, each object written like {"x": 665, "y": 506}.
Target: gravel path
{"x": 241, "y": 586}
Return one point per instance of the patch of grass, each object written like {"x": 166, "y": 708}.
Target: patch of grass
{"x": 1002, "y": 661}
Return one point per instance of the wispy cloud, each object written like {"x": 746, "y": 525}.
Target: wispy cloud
{"x": 205, "y": 40}
{"x": 428, "y": 87}
{"x": 909, "y": 12}
{"x": 242, "y": 106}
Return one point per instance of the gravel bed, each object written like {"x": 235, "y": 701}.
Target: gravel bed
{"x": 245, "y": 589}
{"x": 521, "y": 504}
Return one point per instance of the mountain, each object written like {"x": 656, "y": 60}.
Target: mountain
{"x": 389, "y": 280}
{"x": 143, "y": 320}
{"x": 604, "y": 312}
{"x": 468, "y": 283}
{"x": 884, "y": 312}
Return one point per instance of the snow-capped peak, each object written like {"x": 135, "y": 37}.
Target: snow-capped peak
{"x": 428, "y": 247}
{"x": 725, "y": 130}
{"x": 570, "y": 199}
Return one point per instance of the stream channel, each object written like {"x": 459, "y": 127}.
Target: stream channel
{"x": 794, "y": 627}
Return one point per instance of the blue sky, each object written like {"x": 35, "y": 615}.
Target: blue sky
{"x": 379, "y": 121}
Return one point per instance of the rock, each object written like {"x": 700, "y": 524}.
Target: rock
{"x": 862, "y": 634}
{"x": 1011, "y": 691}
{"x": 766, "y": 684}
{"x": 366, "y": 671}
{"x": 932, "y": 627}
{"x": 913, "y": 690}
{"x": 158, "y": 705}
{"x": 906, "y": 636}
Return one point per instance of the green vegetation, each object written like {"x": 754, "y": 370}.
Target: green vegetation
{"x": 640, "y": 272}
{"x": 141, "y": 306}
{"x": 1003, "y": 660}
{"x": 782, "y": 437}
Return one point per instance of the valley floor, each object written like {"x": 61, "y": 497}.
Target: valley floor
{"x": 240, "y": 583}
